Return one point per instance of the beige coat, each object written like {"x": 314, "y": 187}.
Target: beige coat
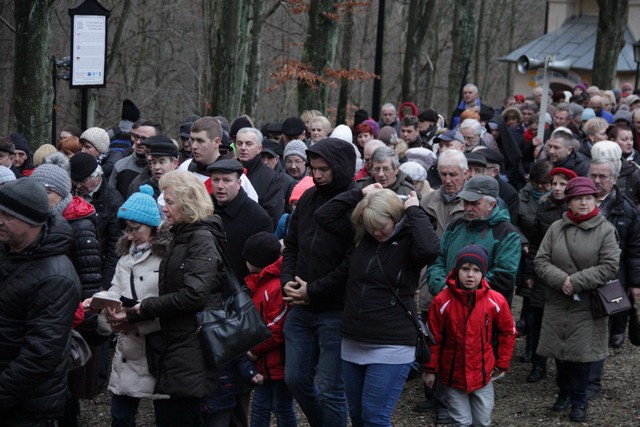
{"x": 130, "y": 373}
{"x": 569, "y": 331}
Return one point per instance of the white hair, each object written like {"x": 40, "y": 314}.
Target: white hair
{"x": 472, "y": 124}
{"x": 451, "y": 157}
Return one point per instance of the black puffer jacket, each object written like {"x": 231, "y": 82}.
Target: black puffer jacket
{"x": 37, "y": 306}
{"x": 371, "y": 313}
{"x": 191, "y": 278}
{"x": 548, "y": 213}
{"x": 311, "y": 252}
{"x": 85, "y": 249}
{"x": 621, "y": 212}
{"x": 107, "y": 201}
{"x": 629, "y": 181}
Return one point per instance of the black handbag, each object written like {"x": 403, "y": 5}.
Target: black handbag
{"x": 234, "y": 329}
{"x": 424, "y": 336}
{"x": 609, "y": 300}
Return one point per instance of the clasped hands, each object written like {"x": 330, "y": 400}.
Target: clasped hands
{"x": 296, "y": 292}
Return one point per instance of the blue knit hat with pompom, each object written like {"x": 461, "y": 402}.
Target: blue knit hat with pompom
{"x": 141, "y": 207}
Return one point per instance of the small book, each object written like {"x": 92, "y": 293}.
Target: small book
{"x": 105, "y": 299}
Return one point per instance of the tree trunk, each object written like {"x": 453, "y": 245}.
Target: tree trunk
{"x": 319, "y": 47}
{"x": 345, "y": 63}
{"x": 462, "y": 40}
{"x": 253, "y": 71}
{"x": 479, "y": 33}
{"x": 612, "y": 21}
{"x": 32, "y": 96}
{"x": 419, "y": 14}
{"x": 512, "y": 27}
{"x": 226, "y": 38}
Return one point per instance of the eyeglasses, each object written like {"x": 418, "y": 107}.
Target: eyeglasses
{"x": 132, "y": 230}
{"x": 135, "y": 137}
{"x": 385, "y": 169}
{"x": 601, "y": 177}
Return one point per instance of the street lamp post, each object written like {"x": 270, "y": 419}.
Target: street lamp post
{"x": 636, "y": 58}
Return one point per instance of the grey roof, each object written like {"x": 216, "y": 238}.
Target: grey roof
{"x": 575, "y": 39}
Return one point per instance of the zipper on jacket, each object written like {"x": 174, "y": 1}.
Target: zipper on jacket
{"x": 486, "y": 328}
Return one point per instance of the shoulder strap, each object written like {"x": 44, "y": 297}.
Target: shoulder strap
{"x": 411, "y": 316}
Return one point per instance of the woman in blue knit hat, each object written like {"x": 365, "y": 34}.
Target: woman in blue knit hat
{"x": 141, "y": 249}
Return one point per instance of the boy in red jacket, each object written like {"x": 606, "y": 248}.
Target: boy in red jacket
{"x": 262, "y": 253}
{"x": 463, "y": 318}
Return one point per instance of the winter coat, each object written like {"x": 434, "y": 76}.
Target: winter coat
{"x": 575, "y": 163}
{"x": 125, "y": 171}
{"x": 108, "y": 160}
{"x": 527, "y": 210}
{"x": 130, "y": 374}
{"x": 241, "y": 218}
{"x": 569, "y": 331}
{"x": 629, "y": 181}
{"x": 311, "y": 252}
{"x": 548, "y": 212}
{"x": 268, "y": 186}
{"x": 37, "y": 307}
{"x": 510, "y": 197}
{"x": 402, "y": 187}
{"x": 85, "y": 249}
{"x": 371, "y": 314}
{"x": 191, "y": 278}
{"x": 440, "y": 210}
{"x": 266, "y": 293}
{"x": 621, "y": 212}
{"x": 496, "y": 234}
{"x": 463, "y": 332}
{"x": 107, "y": 201}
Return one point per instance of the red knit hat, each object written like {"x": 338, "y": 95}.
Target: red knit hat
{"x": 568, "y": 173}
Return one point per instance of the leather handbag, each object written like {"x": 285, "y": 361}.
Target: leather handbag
{"x": 424, "y": 336}
{"x": 609, "y": 300}
{"x": 234, "y": 329}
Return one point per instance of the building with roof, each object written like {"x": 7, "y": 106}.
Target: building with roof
{"x": 570, "y": 32}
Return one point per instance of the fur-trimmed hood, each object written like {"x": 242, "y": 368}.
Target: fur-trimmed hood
{"x": 158, "y": 248}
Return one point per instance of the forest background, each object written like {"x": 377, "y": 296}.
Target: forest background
{"x": 267, "y": 58}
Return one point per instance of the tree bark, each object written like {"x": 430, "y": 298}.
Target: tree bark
{"x": 479, "y": 38}
{"x": 463, "y": 40}
{"x": 612, "y": 20}
{"x": 345, "y": 63}
{"x": 419, "y": 14}
{"x": 32, "y": 96}
{"x": 319, "y": 48}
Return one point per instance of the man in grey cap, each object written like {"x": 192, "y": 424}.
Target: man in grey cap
{"x": 39, "y": 295}
{"x": 483, "y": 223}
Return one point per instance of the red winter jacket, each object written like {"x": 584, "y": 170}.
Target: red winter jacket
{"x": 267, "y": 296}
{"x": 462, "y": 354}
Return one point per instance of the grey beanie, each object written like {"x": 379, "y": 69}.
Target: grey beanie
{"x": 6, "y": 175}
{"x": 97, "y": 137}
{"x": 53, "y": 177}
{"x": 625, "y": 116}
{"x": 296, "y": 147}
{"x": 25, "y": 199}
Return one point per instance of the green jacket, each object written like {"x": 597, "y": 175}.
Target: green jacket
{"x": 496, "y": 234}
{"x": 569, "y": 331}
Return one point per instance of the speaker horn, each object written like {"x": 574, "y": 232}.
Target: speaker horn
{"x": 526, "y": 63}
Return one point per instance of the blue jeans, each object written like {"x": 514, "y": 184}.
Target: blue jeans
{"x": 125, "y": 408}
{"x": 273, "y": 396}
{"x": 373, "y": 391}
{"x": 312, "y": 344}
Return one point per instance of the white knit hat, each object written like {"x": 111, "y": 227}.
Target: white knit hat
{"x": 97, "y": 137}
{"x": 6, "y": 175}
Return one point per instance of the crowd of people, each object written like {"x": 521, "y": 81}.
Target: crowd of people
{"x": 346, "y": 238}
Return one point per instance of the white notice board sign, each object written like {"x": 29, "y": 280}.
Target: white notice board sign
{"x": 89, "y": 50}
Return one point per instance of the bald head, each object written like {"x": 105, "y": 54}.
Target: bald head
{"x": 369, "y": 148}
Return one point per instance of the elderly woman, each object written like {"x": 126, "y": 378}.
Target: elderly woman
{"x": 394, "y": 241}
{"x": 628, "y": 179}
{"x": 319, "y": 128}
{"x": 595, "y": 130}
{"x": 579, "y": 253}
{"x": 190, "y": 279}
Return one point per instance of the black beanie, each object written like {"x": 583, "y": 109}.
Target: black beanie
{"x": 82, "y": 165}
{"x": 237, "y": 124}
{"x": 261, "y": 249}
{"x": 359, "y": 116}
{"x": 474, "y": 254}
{"x": 129, "y": 111}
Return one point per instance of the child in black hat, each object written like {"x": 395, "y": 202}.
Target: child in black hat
{"x": 463, "y": 319}
{"x": 262, "y": 253}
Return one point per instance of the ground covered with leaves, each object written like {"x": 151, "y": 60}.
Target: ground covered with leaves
{"x": 518, "y": 403}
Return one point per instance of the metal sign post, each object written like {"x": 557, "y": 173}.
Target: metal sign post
{"x": 88, "y": 50}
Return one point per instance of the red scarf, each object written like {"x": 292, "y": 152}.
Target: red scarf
{"x": 581, "y": 218}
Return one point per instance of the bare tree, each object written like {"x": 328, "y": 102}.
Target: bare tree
{"x": 31, "y": 78}
{"x": 345, "y": 63}
{"x": 612, "y": 20}
{"x": 462, "y": 39}
{"x": 419, "y": 13}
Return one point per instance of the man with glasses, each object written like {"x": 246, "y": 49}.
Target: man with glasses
{"x": 127, "y": 169}
{"x": 89, "y": 183}
{"x": 471, "y": 131}
{"x": 368, "y": 150}
{"x": 385, "y": 170}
